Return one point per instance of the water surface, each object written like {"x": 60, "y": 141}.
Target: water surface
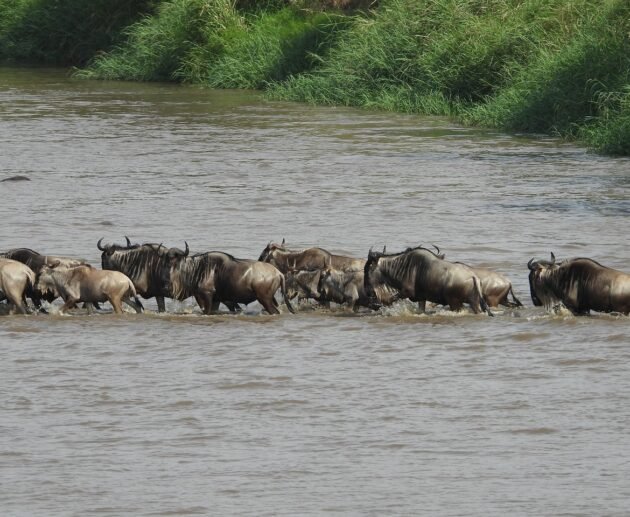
{"x": 324, "y": 412}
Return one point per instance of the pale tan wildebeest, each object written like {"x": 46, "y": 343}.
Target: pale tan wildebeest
{"x": 15, "y": 279}
{"x": 87, "y": 284}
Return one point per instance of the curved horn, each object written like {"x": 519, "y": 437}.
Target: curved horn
{"x": 128, "y": 241}
{"x": 436, "y": 248}
{"x": 187, "y": 249}
{"x": 553, "y": 258}
{"x": 530, "y": 264}
{"x": 98, "y": 244}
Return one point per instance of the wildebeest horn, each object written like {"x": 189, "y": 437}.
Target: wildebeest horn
{"x": 553, "y": 258}
{"x": 530, "y": 264}
{"x": 384, "y": 249}
{"x": 282, "y": 244}
{"x": 128, "y": 241}
{"x": 98, "y": 244}
{"x": 436, "y": 248}
{"x": 187, "y": 249}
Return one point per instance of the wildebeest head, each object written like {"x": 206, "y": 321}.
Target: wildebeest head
{"x": 269, "y": 249}
{"x": 370, "y": 265}
{"x": 175, "y": 254}
{"x": 144, "y": 264}
{"x": 109, "y": 249}
{"x": 538, "y": 270}
{"x": 46, "y": 282}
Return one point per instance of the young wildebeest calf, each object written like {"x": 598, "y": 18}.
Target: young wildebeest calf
{"x": 15, "y": 279}
{"x": 303, "y": 284}
{"x": 86, "y": 284}
{"x": 348, "y": 287}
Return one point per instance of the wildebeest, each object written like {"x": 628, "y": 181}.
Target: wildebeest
{"x": 307, "y": 259}
{"x": 421, "y": 275}
{"x": 15, "y": 279}
{"x": 87, "y": 284}
{"x": 348, "y": 288}
{"x": 303, "y": 284}
{"x": 147, "y": 265}
{"x": 216, "y": 277}
{"x": 580, "y": 284}
{"x": 36, "y": 261}
{"x": 495, "y": 287}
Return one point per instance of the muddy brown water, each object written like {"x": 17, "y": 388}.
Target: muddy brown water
{"x": 324, "y": 412}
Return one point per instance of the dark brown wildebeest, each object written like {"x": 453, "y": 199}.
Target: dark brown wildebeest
{"x": 421, "y": 275}
{"x": 216, "y": 277}
{"x": 36, "y": 261}
{"x": 308, "y": 259}
{"x": 147, "y": 265}
{"x": 15, "y": 279}
{"x": 580, "y": 284}
{"x": 87, "y": 284}
{"x": 495, "y": 287}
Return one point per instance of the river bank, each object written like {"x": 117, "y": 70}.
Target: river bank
{"x": 560, "y": 68}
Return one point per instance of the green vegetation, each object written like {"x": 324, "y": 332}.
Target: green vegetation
{"x": 543, "y": 66}
{"x": 64, "y": 32}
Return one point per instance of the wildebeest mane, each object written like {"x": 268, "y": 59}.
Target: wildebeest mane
{"x": 404, "y": 265}
{"x": 190, "y": 272}
{"x": 137, "y": 259}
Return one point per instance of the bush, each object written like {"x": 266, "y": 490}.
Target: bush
{"x": 64, "y": 32}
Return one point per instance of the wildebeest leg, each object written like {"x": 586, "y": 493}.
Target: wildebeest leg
{"x": 117, "y": 305}
{"x": 269, "y": 306}
{"x": 135, "y": 305}
{"x": 160, "y": 303}
{"x": 210, "y": 305}
{"x": 19, "y": 305}
{"x": 69, "y": 303}
{"x": 422, "y": 305}
{"x": 201, "y": 301}
{"x": 233, "y": 306}
{"x": 457, "y": 306}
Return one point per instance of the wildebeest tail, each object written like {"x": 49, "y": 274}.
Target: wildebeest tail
{"x": 132, "y": 290}
{"x": 516, "y": 300}
{"x": 482, "y": 300}
{"x": 284, "y": 295}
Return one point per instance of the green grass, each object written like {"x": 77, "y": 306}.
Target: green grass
{"x": 272, "y": 47}
{"x": 158, "y": 46}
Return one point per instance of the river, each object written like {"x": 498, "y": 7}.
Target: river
{"x": 324, "y": 412}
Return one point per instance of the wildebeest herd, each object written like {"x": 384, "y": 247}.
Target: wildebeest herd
{"x": 419, "y": 274}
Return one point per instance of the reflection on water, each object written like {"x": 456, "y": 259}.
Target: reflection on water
{"x": 326, "y": 411}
